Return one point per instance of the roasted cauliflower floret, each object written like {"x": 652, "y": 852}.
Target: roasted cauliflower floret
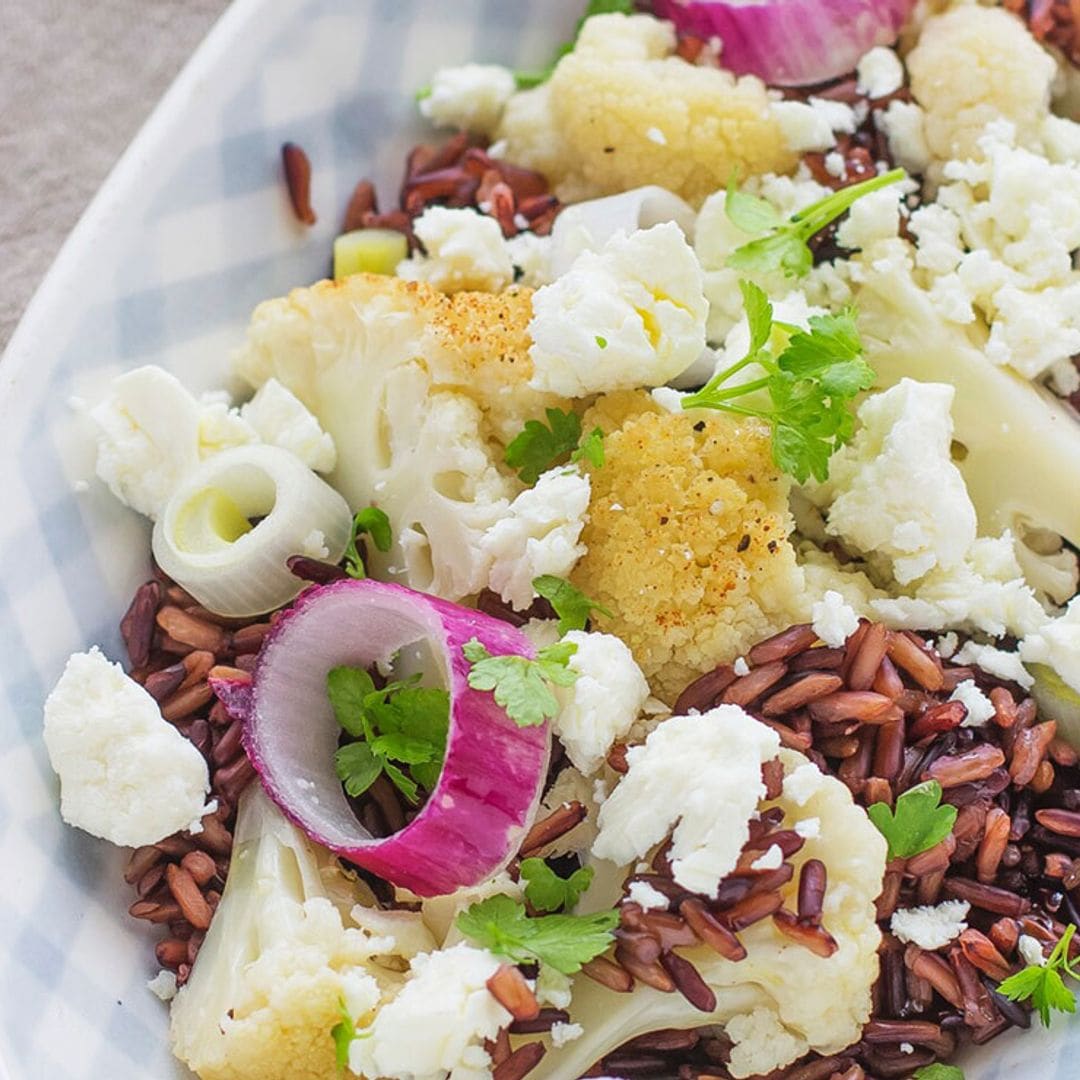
{"x": 622, "y": 110}
{"x": 976, "y": 64}
{"x": 687, "y": 538}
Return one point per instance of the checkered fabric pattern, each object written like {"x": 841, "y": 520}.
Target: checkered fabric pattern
{"x": 189, "y": 234}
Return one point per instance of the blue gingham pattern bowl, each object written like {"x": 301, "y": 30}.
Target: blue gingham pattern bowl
{"x": 189, "y": 233}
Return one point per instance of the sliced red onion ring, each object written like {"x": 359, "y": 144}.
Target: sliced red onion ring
{"x": 493, "y": 772}
{"x": 790, "y": 42}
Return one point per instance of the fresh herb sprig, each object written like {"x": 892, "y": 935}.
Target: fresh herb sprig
{"x": 786, "y": 243}
{"x": 810, "y": 377}
{"x": 918, "y": 823}
{"x": 1043, "y": 985}
{"x": 376, "y": 524}
{"x": 546, "y": 891}
{"x": 528, "y": 79}
{"x": 401, "y": 731}
{"x": 563, "y": 942}
{"x": 539, "y": 446}
{"x": 571, "y": 605}
{"x": 937, "y": 1071}
{"x": 522, "y": 686}
{"x": 343, "y": 1033}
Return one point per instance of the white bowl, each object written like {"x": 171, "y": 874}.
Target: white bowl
{"x": 189, "y": 233}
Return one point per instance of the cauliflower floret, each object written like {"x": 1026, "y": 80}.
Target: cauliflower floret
{"x": 774, "y": 975}
{"x": 893, "y": 491}
{"x": 279, "y": 418}
{"x": 700, "y": 776}
{"x": 537, "y": 535}
{"x": 125, "y": 773}
{"x": 470, "y": 97}
{"x": 972, "y": 65}
{"x": 632, "y": 314}
{"x": 465, "y": 250}
{"x": 418, "y": 391}
{"x": 278, "y": 961}
{"x": 437, "y": 1024}
{"x": 687, "y": 538}
{"x": 602, "y": 705}
{"x": 593, "y": 128}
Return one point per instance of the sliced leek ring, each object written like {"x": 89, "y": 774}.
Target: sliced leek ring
{"x": 228, "y": 529}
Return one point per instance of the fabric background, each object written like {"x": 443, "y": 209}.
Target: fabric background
{"x": 77, "y": 78}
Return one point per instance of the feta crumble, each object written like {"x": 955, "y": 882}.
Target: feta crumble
{"x": 771, "y": 860}
{"x": 126, "y": 774}
{"x": 931, "y": 927}
{"x": 650, "y": 899}
{"x": 879, "y": 73}
{"x": 834, "y": 620}
{"x": 998, "y": 662}
{"x": 979, "y": 708}
{"x": 465, "y": 251}
{"x": 163, "y": 985}
{"x": 1057, "y": 643}
{"x": 562, "y": 1033}
{"x": 740, "y": 667}
{"x": 699, "y": 775}
{"x": 471, "y": 97}
{"x": 1031, "y": 950}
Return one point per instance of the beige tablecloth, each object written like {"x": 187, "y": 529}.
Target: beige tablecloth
{"x": 77, "y": 78}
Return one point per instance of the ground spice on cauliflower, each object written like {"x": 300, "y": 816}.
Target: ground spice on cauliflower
{"x": 687, "y": 538}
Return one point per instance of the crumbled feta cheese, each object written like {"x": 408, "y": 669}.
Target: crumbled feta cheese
{"x": 699, "y": 775}
{"x": 279, "y": 418}
{"x": 531, "y": 255}
{"x": 834, "y": 620}
{"x": 603, "y": 703}
{"x": 654, "y": 134}
{"x": 562, "y": 1033}
{"x": 839, "y": 116}
{"x": 803, "y": 783}
{"x": 1031, "y": 950}
{"x": 163, "y": 985}
{"x": 465, "y": 250}
{"x": 149, "y": 437}
{"x": 874, "y": 217}
{"x": 835, "y": 165}
{"x": 907, "y": 1048}
{"x": 470, "y": 97}
{"x": 946, "y": 645}
{"x": 803, "y": 128}
{"x": 997, "y": 662}
{"x": 1065, "y": 377}
{"x": 930, "y": 927}
{"x": 642, "y": 893}
{"x": 314, "y": 545}
{"x": 903, "y": 123}
{"x": 894, "y": 490}
{"x": 771, "y": 860}
{"x": 808, "y": 828}
{"x": 537, "y": 535}
{"x": 438, "y": 1021}
{"x": 979, "y": 708}
{"x": 641, "y": 295}
{"x": 879, "y": 73}
{"x": 740, "y": 667}
{"x": 125, "y": 773}
{"x": 1057, "y": 643}
{"x": 553, "y": 987}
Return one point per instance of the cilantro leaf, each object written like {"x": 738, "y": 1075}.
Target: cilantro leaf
{"x": 785, "y": 245}
{"x": 571, "y": 604}
{"x": 591, "y": 448}
{"x": 522, "y": 686}
{"x": 401, "y": 722}
{"x": 538, "y": 446}
{"x": 1043, "y": 984}
{"x": 528, "y": 79}
{"x": 563, "y": 942}
{"x": 546, "y": 891}
{"x": 917, "y": 824}
{"x": 937, "y": 1071}
{"x": 357, "y": 767}
{"x": 343, "y": 1034}
{"x": 810, "y": 378}
{"x": 373, "y": 521}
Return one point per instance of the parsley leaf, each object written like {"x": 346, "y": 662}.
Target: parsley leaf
{"x": 538, "y": 446}
{"x": 571, "y": 604}
{"x": 373, "y": 521}
{"x": 917, "y": 824}
{"x": 784, "y": 247}
{"x": 810, "y": 379}
{"x": 937, "y": 1071}
{"x": 546, "y": 891}
{"x": 1042, "y": 983}
{"x": 591, "y": 448}
{"x": 563, "y": 942}
{"x": 343, "y": 1034}
{"x": 401, "y": 724}
{"x": 528, "y": 79}
{"x": 522, "y": 686}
